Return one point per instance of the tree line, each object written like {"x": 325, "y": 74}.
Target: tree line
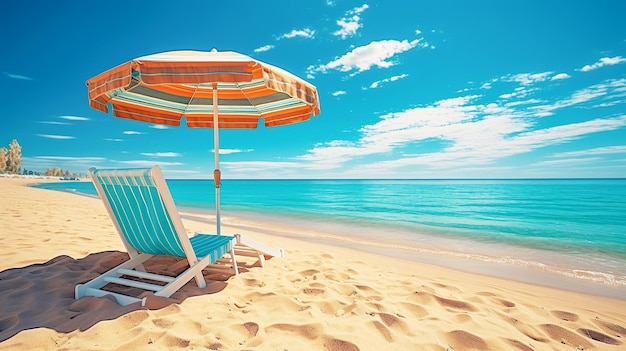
{"x": 11, "y": 162}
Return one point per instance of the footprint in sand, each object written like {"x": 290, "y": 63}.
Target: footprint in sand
{"x": 612, "y": 328}
{"x": 565, "y": 336}
{"x": 174, "y": 342}
{"x": 309, "y": 272}
{"x": 455, "y": 304}
{"x": 462, "y": 340}
{"x": 566, "y": 316}
{"x": 519, "y": 345}
{"x": 597, "y": 336}
{"x": 244, "y": 332}
{"x": 501, "y": 302}
{"x": 309, "y": 331}
{"x": 339, "y": 345}
{"x": 252, "y": 328}
{"x": 395, "y": 323}
{"x": 313, "y": 291}
{"x": 163, "y": 323}
{"x": 526, "y": 329}
{"x": 251, "y": 282}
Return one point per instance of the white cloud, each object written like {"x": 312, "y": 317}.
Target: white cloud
{"x": 159, "y": 126}
{"x": 265, "y": 169}
{"x": 339, "y": 92}
{"x": 264, "y": 48}
{"x": 68, "y": 118}
{"x": 115, "y": 140}
{"x": 148, "y": 163}
{"x": 527, "y": 78}
{"x": 480, "y": 146}
{"x": 350, "y": 23}
{"x": 17, "y": 76}
{"x": 560, "y": 76}
{"x": 255, "y": 166}
{"x": 55, "y": 123}
{"x": 610, "y": 89}
{"x": 161, "y": 154}
{"x": 304, "y": 33}
{"x": 60, "y": 137}
{"x": 377, "y": 83}
{"x": 132, "y": 132}
{"x": 565, "y": 162}
{"x": 74, "y": 118}
{"x": 518, "y": 92}
{"x": 232, "y": 151}
{"x": 70, "y": 158}
{"x": 605, "y": 61}
{"x": 606, "y": 150}
{"x": 365, "y": 57}
{"x": 358, "y": 10}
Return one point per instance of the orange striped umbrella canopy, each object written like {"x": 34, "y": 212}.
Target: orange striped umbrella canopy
{"x": 210, "y": 89}
{"x": 162, "y": 88}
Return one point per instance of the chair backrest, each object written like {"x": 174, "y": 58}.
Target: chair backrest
{"x": 142, "y": 209}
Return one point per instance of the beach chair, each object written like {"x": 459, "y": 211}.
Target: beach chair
{"x": 143, "y": 212}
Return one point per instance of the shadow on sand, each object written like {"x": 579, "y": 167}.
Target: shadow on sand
{"x": 42, "y": 295}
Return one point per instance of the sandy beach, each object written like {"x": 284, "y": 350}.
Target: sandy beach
{"x": 318, "y": 297}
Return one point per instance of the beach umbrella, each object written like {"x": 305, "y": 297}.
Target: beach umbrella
{"x": 209, "y": 89}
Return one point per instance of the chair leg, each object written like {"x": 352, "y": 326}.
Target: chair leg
{"x": 234, "y": 260}
{"x": 200, "y": 281}
{"x": 194, "y": 270}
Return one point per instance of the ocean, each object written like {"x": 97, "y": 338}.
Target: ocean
{"x": 573, "y": 227}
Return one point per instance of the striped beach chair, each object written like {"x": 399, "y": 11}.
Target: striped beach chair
{"x": 143, "y": 212}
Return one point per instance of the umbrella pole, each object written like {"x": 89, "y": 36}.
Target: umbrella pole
{"x": 216, "y": 172}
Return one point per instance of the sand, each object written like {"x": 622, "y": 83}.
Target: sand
{"x": 318, "y": 297}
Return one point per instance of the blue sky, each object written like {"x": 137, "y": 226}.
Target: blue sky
{"x": 408, "y": 89}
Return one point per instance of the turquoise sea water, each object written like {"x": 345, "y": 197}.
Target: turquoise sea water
{"x": 576, "y": 227}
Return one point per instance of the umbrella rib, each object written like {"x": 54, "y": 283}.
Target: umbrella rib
{"x": 191, "y": 99}
{"x": 243, "y": 92}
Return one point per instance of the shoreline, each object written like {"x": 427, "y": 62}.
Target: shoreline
{"x": 506, "y": 267}
{"x": 319, "y": 297}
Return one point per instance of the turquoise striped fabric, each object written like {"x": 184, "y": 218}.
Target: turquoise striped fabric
{"x": 214, "y": 245}
{"x": 140, "y": 211}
